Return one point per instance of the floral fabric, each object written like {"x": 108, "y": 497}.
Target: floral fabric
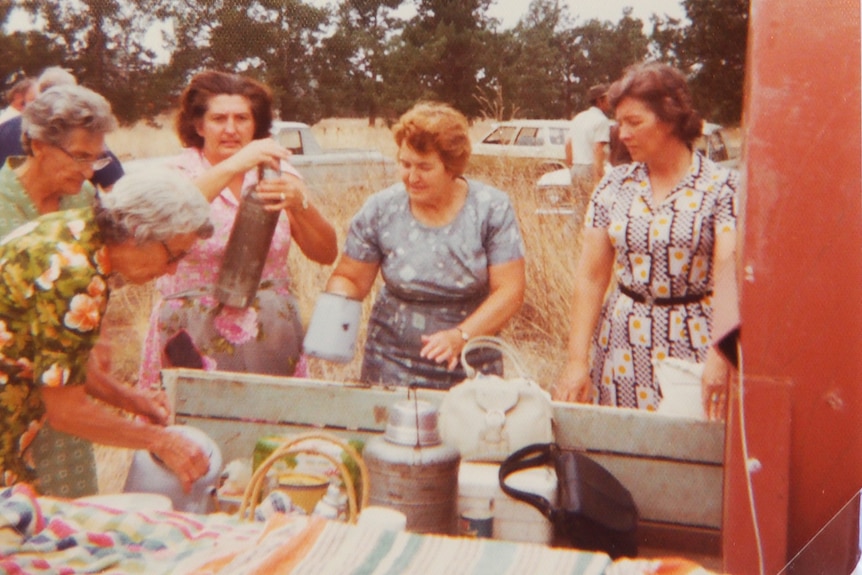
{"x": 65, "y": 464}
{"x": 16, "y": 207}
{"x": 434, "y": 278}
{"x": 661, "y": 251}
{"x": 265, "y": 338}
{"x": 54, "y": 272}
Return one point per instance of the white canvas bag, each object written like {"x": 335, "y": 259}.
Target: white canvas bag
{"x": 487, "y": 417}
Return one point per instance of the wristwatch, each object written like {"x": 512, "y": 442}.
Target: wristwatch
{"x": 464, "y": 335}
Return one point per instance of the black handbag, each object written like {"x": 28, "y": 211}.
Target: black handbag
{"x": 594, "y": 512}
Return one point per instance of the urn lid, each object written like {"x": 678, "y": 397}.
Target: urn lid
{"x": 412, "y": 422}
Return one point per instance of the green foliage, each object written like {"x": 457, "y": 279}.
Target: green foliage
{"x": 716, "y": 45}
{"x": 361, "y": 58}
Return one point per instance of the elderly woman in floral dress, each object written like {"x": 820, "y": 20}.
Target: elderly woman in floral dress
{"x": 53, "y": 296}
{"x": 64, "y": 145}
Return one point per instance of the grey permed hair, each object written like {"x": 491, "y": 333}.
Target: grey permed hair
{"x": 152, "y": 205}
{"x": 56, "y": 112}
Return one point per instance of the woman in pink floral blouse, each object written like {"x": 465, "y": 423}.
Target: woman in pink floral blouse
{"x": 224, "y": 123}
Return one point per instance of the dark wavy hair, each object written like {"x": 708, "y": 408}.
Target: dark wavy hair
{"x": 665, "y": 91}
{"x": 435, "y": 127}
{"x": 194, "y": 103}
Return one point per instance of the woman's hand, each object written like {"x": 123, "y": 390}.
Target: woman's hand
{"x": 714, "y": 386}
{"x": 152, "y": 404}
{"x": 574, "y": 384}
{"x": 287, "y": 192}
{"x": 183, "y": 456}
{"x": 263, "y": 151}
{"x": 443, "y": 347}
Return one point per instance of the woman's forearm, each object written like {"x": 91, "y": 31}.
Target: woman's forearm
{"x": 592, "y": 276}
{"x": 587, "y": 298}
{"x": 314, "y": 235}
{"x": 503, "y": 301}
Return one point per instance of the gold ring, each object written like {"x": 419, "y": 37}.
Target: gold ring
{"x": 283, "y": 197}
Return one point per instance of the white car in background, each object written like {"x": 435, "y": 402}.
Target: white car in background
{"x": 556, "y": 195}
{"x": 522, "y": 143}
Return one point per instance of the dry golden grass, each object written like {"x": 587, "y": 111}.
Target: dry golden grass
{"x": 538, "y": 331}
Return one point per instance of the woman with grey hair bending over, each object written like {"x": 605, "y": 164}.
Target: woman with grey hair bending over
{"x": 64, "y": 131}
{"x": 55, "y": 272}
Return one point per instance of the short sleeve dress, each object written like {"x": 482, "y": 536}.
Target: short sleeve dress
{"x": 264, "y": 338}
{"x": 55, "y": 271}
{"x": 65, "y": 464}
{"x": 661, "y": 251}
{"x": 434, "y": 277}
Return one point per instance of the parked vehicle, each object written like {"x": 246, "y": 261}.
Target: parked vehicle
{"x": 522, "y": 143}
{"x": 556, "y": 196}
{"x": 323, "y": 169}
{"x": 336, "y": 167}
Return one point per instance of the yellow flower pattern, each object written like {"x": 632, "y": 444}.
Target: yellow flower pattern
{"x": 662, "y": 250}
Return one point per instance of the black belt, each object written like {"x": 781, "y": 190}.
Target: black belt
{"x": 678, "y": 300}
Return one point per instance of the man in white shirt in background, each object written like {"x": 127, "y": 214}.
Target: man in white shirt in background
{"x": 589, "y": 134}
{"x": 19, "y": 95}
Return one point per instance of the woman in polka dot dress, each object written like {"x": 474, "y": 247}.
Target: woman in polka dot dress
{"x": 657, "y": 227}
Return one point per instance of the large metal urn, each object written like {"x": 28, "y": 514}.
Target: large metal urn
{"x": 412, "y": 471}
{"x": 247, "y": 247}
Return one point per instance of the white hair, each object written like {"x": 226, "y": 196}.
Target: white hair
{"x": 153, "y": 205}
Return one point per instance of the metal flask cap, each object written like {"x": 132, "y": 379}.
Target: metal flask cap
{"x": 412, "y": 422}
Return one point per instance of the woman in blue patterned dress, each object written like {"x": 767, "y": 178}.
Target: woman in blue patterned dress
{"x": 449, "y": 251}
{"x": 657, "y": 227}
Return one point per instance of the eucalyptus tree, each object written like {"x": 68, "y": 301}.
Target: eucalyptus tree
{"x": 716, "y": 41}
{"x": 275, "y": 41}
{"x": 352, "y": 81}
{"x": 598, "y": 51}
{"x": 533, "y": 73}
{"x": 438, "y": 54}
{"x": 102, "y": 42}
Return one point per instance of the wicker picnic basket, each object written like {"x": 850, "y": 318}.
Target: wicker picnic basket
{"x": 294, "y": 446}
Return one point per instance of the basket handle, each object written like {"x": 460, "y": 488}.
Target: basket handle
{"x": 492, "y": 342}
{"x": 254, "y": 487}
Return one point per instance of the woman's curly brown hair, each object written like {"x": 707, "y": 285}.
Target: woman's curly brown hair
{"x": 194, "y": 103}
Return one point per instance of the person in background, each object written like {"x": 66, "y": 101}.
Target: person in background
{"x": 224, "y": 124}
{"x": 56, "y": 271}
{"x": 19, "y": 95}
{"x": 64, "y": 134}
{"x": 11, "y": 132}
{"x": 449, "y": 251}
{"x": 588, "y": 136}
{"x": 658, "y": 227}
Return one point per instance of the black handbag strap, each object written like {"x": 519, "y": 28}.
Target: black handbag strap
{"x": 535, "y": 455}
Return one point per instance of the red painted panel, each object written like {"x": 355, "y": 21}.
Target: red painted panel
{"x": 801, "y": 300}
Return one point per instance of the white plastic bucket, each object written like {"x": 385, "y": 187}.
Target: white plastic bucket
{"x": 680, "y": 387}
{"x": 333, "y": 328}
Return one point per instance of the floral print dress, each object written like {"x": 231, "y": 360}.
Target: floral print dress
{"x": 661, "y": 251}
{"x": 434, "y": 277}
{"x": 264, "y": 338}
{"x": 54, "y": 274}
{"x": 65, "y": 464}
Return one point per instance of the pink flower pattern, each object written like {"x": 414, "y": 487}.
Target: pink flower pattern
{"x": 200, "y": 269}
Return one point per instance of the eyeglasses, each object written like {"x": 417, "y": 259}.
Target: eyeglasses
{"x": 172, "y": 258}
{"x": 96, "y": 164}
